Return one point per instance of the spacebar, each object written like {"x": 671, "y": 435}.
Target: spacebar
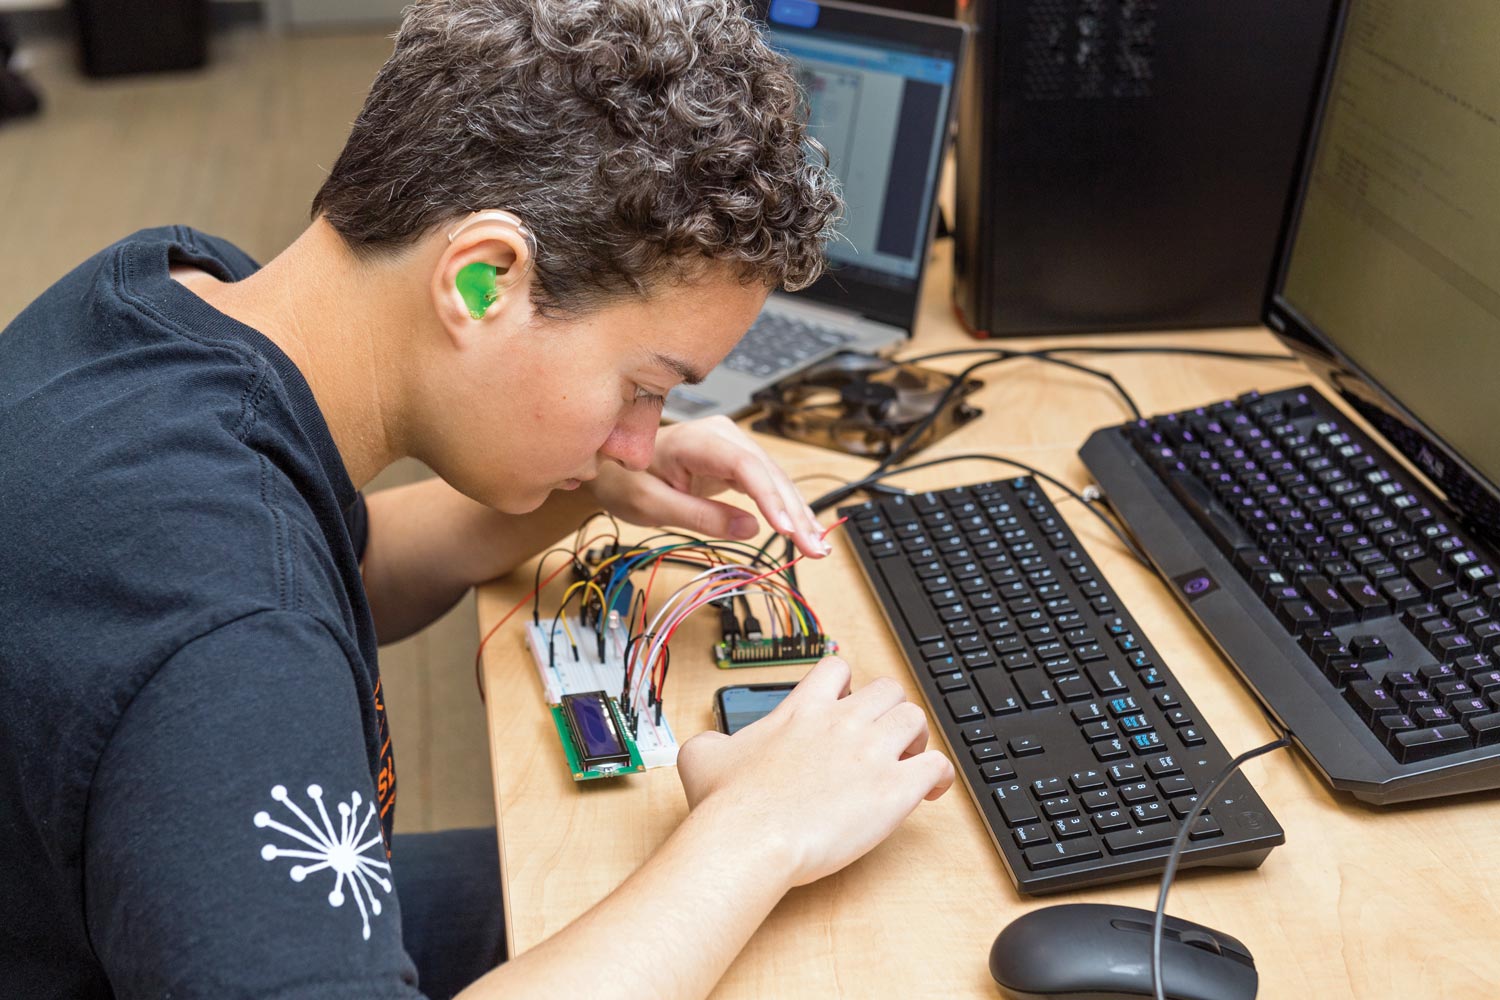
{"x": 912, "y": 602}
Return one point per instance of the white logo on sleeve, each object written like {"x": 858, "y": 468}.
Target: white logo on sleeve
{"x": 342, "y": 851}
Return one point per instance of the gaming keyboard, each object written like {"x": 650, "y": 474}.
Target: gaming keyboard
{"x": 1079, "y": 748}
{"x": 1342, "y": 590}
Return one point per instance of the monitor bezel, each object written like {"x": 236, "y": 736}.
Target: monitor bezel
{"x": 1472, "y": 497}
{"x": 888, "y": 299}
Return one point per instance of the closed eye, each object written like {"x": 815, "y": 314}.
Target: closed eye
{"x": 645, "y": 397}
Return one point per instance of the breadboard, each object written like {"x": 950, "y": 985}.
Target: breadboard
{"x": 562, "y": 674}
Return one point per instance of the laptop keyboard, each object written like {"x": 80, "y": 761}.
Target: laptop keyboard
{"x": 778, "y": 342}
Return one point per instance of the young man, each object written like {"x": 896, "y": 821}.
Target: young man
{"x": 548, "y": 214}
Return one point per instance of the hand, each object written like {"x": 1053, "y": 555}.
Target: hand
{"x": 828, "y": 774}
{"x": 699, "y": 459}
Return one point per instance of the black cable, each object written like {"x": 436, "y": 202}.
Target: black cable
{"x": 1208, "y": 352}
{"x": 1180, "y": 844}
{"x": 998, "y": 355}
{"x": 536, "y": 586}
{"x": 995, "y": 356}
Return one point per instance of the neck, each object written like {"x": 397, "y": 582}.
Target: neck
{"x": 335, "y": 317}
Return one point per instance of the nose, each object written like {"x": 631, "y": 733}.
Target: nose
{"x": 632, "y": 442}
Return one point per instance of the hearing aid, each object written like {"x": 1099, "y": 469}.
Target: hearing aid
{"x": 478, "y": 283}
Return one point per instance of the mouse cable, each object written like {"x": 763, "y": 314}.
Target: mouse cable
{"x": 1180, "y": 844}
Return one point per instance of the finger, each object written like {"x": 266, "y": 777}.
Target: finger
{"x": 877, "y": 698}
{"x": 750, "y": 472}
{"x": 826, "y": 682}
{"x": 904, "y": 729}
{"x": 663, "y": 505}
{"x": 932, "y": 771}
{"x": 809, "y": 533}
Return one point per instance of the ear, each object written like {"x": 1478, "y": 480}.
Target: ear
{"x": 479, "y": 284}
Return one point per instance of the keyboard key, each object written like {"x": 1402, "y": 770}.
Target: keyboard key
{"x": 1065, "y": 852}
{"x": 1101, "y": 730}
{"x": 911, "y": 602}
{"x": 1072, "y": 826}
{"x": 1430, "y": 577}
{"x": 1015, "y": 808}
{"x": 1031, "y": 834}
{"x": 1046, "y": 788}
{"x": 1099, "y": 798}
{"x": 1063, "y": 805}
{"x": 980, "y": 733}
{"x": 1110, "y": 819}
{"x": 1148, "y": 742}
{"x": 1108, "y": 750}
{"x": 1024, "y": 746}
{"x": 1149, "y": 812}
{"x": 998, "y": 692}
{"x": 1485, "y": 728}
{"x": 1106, "y": 679}
{"x": 1162, "y": 766}
{"x": 1141, "y": 838}
{"x": 964, "y": 706}
{"x": 1083, "y": 781}
{"x": 1205, "y": 828}
{"x": 997, "y": 770}
{"x": 1423, "y": 744}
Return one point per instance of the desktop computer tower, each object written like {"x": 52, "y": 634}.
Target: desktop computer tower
{"x": 932, "y": 8}
{"x": 1125, "y": 164}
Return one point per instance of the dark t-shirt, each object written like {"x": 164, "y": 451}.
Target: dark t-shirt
{"x": 196, "y": 781}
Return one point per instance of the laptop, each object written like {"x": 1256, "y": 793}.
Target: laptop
{"x": 880, "y": 90}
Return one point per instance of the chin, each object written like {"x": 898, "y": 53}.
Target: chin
{"x": 513, "y": 502}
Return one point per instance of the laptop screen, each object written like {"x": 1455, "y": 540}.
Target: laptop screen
{"x": 1394, "y": 254}
{"x": 880, "y": 91}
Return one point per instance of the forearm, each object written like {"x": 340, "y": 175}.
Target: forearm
{"x": 428, "y": 544}
{"x": 706, "y": 890}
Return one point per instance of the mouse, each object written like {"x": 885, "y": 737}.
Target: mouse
{"x": 1091, "y": 951}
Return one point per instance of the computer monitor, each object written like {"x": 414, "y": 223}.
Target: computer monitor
{"x": 880, "y": 91}
{"x": 1388, "y": 283}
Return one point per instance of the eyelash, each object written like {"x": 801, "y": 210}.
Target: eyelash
{"x": 648, "y": 398}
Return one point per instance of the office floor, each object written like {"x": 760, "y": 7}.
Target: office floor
{"x": 237, "y": 150}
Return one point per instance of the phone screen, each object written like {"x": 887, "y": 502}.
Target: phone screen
{"x": 740, "y": 706}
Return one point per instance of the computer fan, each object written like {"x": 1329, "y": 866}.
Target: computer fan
{"x": 863, "y": 405}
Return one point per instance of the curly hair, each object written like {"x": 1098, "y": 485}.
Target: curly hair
{"x": 639, "y": 139}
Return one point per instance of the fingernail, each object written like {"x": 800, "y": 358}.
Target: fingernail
{"x": 827, "y": 548}
{"x": 783, "y": 522}
{"x": 743, "y": 526}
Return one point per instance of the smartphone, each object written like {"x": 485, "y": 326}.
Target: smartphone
{"x": 738, "y": 705}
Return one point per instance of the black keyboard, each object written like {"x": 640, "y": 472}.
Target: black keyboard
{"x": 1079, "y": 748}
{"x": 778, "y": 342}
{"x": 1343, "y": 591}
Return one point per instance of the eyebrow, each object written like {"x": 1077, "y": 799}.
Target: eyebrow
{"x": 681, "y": 369}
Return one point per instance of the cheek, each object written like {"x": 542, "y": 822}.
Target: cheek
{"x": 567, "y": 427}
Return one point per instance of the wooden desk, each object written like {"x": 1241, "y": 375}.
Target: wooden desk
{"x": 1358, "y": 903}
